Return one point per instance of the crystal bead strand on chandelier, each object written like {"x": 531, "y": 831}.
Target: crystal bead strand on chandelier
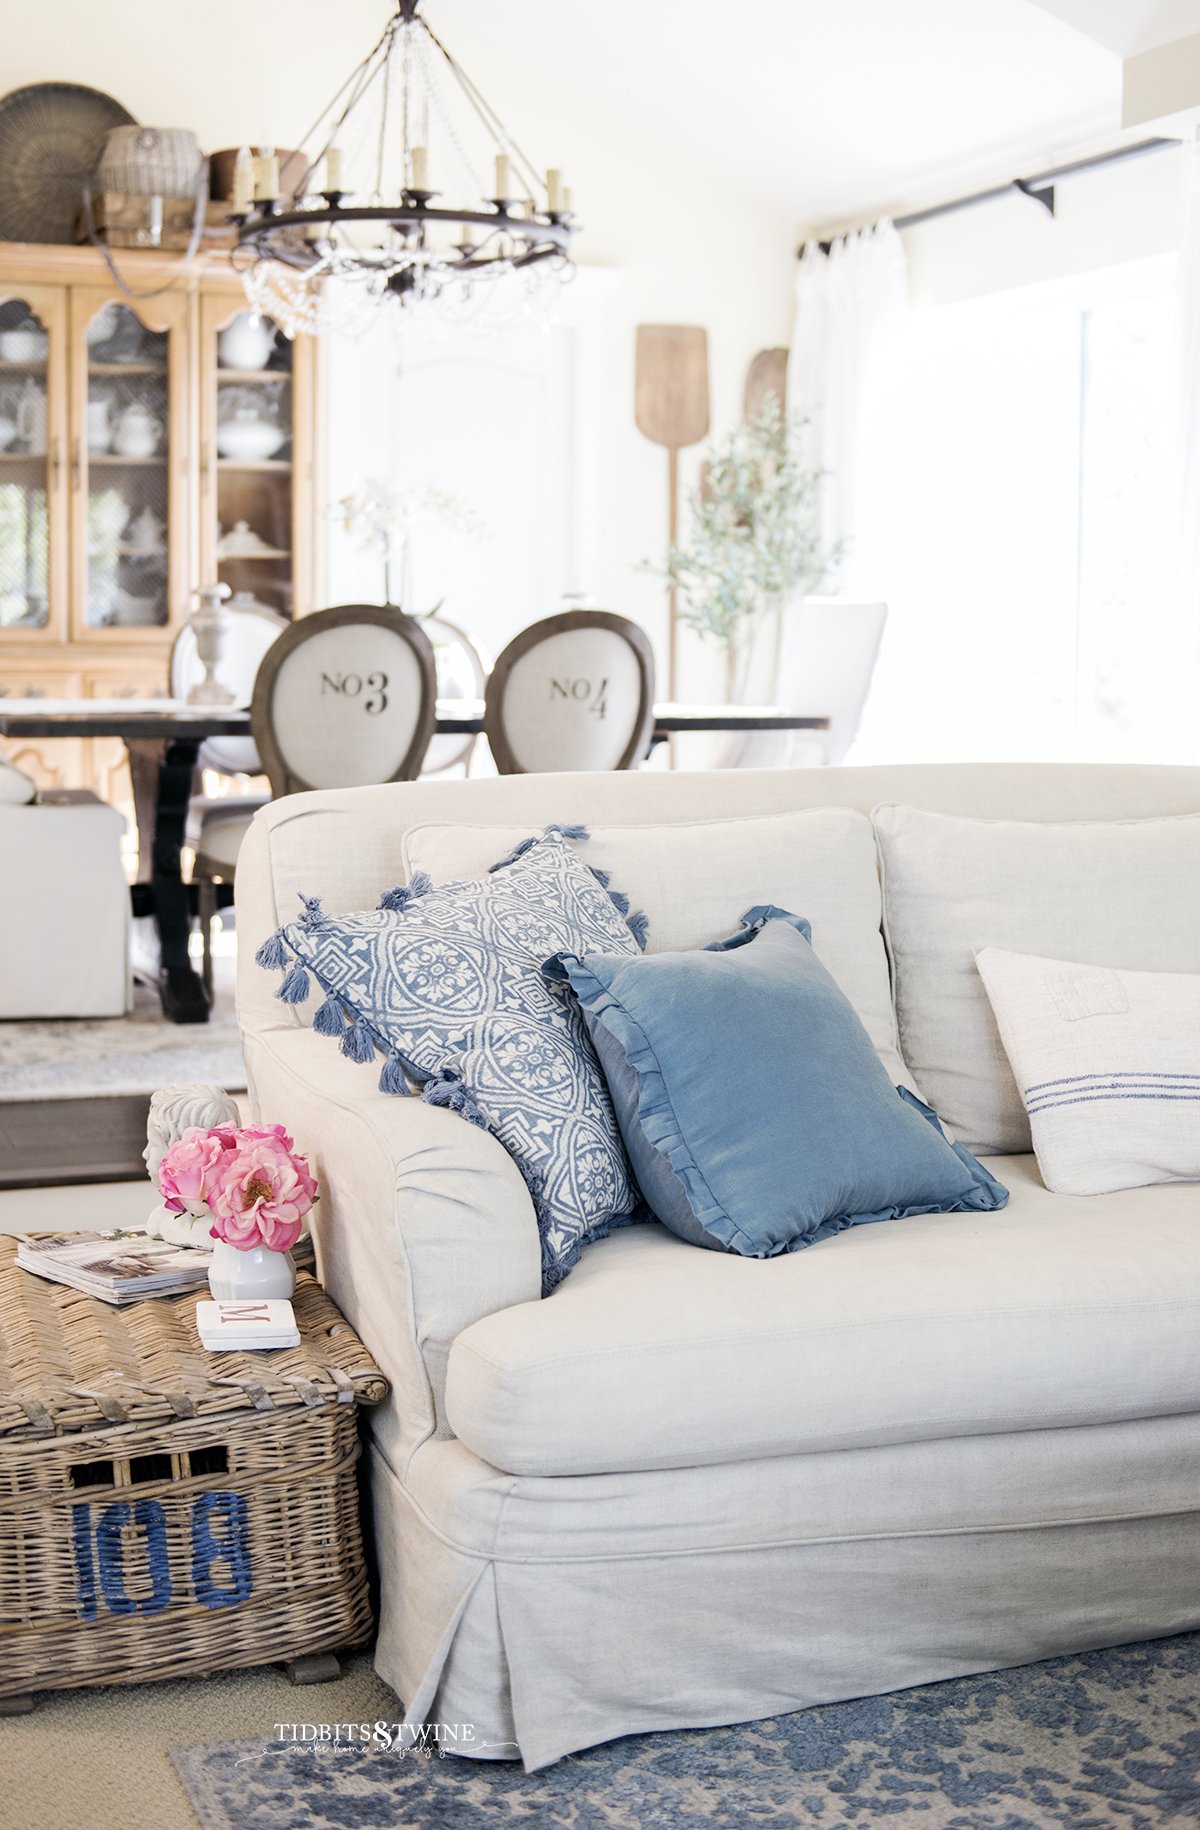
{"x": 373, "y": 223}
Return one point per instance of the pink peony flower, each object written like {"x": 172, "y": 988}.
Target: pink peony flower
{"x": 184, "y": 1170}
{"x": 259, "y": 1190}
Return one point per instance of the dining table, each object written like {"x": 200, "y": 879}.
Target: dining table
{"x": 163, "y": 737}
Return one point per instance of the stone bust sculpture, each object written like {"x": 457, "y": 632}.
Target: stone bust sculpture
{"x": 174, "y": 1110}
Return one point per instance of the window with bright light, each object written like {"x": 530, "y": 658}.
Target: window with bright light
{"x": 1018, "y": 512}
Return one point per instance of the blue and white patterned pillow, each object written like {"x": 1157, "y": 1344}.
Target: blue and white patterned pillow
{"x": 446, "y": 982}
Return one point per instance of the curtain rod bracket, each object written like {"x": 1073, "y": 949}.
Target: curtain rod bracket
{"x": 1040, "y": 193}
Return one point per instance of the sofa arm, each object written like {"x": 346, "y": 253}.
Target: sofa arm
{"x": 424, "y": 1223}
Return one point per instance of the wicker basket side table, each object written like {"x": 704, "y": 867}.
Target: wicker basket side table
{"x": 164, "y": 1511}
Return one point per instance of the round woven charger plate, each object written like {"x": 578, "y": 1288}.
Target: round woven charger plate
{"x": 51, "y": 138}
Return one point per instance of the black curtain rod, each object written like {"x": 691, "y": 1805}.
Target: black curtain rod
{"x": 1040, "y": 187}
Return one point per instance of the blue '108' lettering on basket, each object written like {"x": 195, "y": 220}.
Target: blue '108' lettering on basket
{"x": 220, "y": 1554}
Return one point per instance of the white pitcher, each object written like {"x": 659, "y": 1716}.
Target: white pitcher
{"x": 99, "y": 424}
{"x": 31, "y": 416}
{"x": 247, "y": 343}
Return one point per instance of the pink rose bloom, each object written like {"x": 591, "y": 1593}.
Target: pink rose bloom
{"x": 185, "y": 1168}
{"x": 260, "y": 1190}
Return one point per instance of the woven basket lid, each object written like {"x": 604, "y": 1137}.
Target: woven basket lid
{"x": 69, "y": 1362}
{"x": 51, "y": 137}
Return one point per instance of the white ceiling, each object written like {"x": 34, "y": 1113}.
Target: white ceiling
{"x": 840, "y": 111}
{"x": 1128, "y": 26}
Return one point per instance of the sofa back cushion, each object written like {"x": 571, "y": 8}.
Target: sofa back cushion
{"x": 1123, "y": 894}
{"x": 694, "y": 879}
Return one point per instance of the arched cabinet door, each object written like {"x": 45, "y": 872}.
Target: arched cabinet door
{"x": 129, "y": 464}
{"x": 33, "y": 470}
{"x": 257, "y": 506}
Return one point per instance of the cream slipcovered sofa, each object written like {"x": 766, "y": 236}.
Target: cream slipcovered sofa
{"x": 688, "y": 1488}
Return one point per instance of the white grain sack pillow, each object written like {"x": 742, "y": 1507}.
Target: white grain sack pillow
{"x": 1108, "y": 1066}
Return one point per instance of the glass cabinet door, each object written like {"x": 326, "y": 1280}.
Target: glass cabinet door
{"x": 254, "y": 457}
{"x": 33, "y": 528}
{"x": 128, "y": 463}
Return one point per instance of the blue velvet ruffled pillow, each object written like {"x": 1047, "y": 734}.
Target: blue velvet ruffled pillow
{"x": 804, "y": 1136}
{"x": 446, "y": 984}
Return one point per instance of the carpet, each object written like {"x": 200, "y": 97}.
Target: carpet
{"x": 77, "y": 1059}
{"x": 1095, "y": 1740}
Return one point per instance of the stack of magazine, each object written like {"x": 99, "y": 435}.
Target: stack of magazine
{"x": 124, "y": 1267}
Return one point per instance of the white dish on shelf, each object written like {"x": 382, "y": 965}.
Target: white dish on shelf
{"x": 241, "y": 542}
{"x": 132, "y": 612}
{"x": 250, "y": 441}
{"x": 24, "y": 344}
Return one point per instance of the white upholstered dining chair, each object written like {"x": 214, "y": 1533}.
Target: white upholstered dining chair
{"x": 574, "y": 692}
{"x": 345, "y": 698}
{"x": 829, "y": 654}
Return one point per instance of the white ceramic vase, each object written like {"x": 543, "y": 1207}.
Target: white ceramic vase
{"x": 258, "y": 1275}
{"x": 210, "y": 626}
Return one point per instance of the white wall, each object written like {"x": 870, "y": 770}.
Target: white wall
{"x": 690, "y": 249}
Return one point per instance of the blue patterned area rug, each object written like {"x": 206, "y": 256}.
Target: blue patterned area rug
{"x": 1101, "y": 1739}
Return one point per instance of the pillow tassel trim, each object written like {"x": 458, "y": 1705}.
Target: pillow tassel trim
{"x": 358, "y": 1044}
{"x": 330, "y": 1020}
{"x": 397, "y": 900}
{"x": 579, "y": 833}
{"x": 446, "y": 1089}
{"x": 272, "y": 955}
{"x": 392, "y": 1078}
{"x": 296, "y": 985}
{"x": 312, "y": 915}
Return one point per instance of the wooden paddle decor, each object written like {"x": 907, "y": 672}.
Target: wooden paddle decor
{"x": 671, "y": 409}
{"x": 766, "y": 375}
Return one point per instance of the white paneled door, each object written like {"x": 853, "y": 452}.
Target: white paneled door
{"x": 507, "y": 422}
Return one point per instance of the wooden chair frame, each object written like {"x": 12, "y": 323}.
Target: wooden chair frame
{"x": 262, "y": 723}
{"x": 633, "y": 633}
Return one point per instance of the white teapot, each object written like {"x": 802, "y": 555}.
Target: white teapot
{"x": 137, "y": 432}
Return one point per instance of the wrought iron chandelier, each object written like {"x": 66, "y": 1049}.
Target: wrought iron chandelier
{"x": 359, "y": 221}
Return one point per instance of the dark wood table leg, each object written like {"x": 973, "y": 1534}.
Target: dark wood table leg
{"x": 184, "y": 999}
{"x": 145, "y": 756}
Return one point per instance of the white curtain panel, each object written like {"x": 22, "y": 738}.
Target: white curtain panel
{"x": 1187, "y": 591}
{"x": 848, "y": 302}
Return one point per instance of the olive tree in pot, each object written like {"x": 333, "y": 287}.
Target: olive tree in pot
{"x": 755, "y": 546}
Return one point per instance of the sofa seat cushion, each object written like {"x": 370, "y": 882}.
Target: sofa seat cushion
{"x": 1057, "y": 1310}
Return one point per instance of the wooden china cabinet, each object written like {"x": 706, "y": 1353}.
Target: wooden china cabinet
{"x": 137, "y": 461}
